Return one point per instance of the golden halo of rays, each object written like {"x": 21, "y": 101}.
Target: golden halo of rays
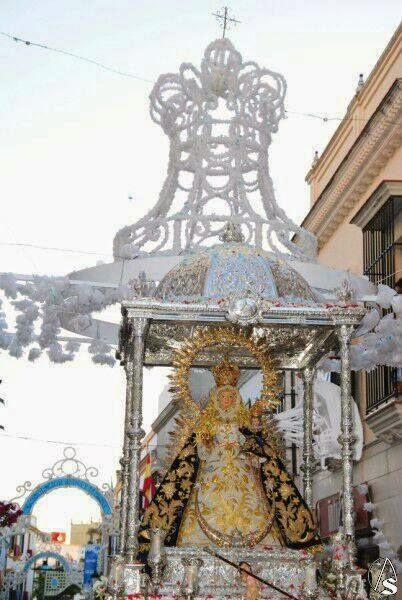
{"x": 224, "y": 336}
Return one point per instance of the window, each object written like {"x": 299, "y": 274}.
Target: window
{"x": 380, "y": 247}
{"x": 329, "y": 513}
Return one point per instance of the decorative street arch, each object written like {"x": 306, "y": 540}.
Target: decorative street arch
{"x": 68, "y": 472}
{"x": 66, "y": 482}
{"x": 49, "y": 554}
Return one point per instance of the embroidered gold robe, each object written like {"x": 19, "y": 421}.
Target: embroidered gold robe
{"x": 229, "y": 491}
{"x": 293, "y": 523}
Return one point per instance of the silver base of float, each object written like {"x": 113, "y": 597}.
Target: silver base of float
{"x": 291, "y": 570}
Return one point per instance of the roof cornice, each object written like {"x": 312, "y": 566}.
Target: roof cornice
{"x": 393, "y": 46}
{"x": 381, "y": 194}
{"x": 379, "y": 139}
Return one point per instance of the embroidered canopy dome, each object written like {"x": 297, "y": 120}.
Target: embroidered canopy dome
{"x": 233, "y": 269}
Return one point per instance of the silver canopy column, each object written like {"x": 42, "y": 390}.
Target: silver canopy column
{"x": 308, "y": 375}
{"x": 346, "y": 440}
{"x": 135, "y": 433}
{"x": 125, "y": 575}
{"x": 124, "y": 461}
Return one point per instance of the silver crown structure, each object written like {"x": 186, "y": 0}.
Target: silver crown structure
{"x": 220, "y": 120}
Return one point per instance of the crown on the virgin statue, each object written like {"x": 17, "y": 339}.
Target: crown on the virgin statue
{"x": 226, "y": 373}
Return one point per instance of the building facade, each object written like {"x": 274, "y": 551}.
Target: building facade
{"x": 356, "y": 214}
{"x": 83, "y": 533}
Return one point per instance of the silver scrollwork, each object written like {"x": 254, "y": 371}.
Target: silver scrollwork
{"x": 70, "y": 466}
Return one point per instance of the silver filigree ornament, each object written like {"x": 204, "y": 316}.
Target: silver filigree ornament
{"x": 141, "y": 286}
{"x": 220, "y": 120}
{"x": 70, "y": 466}
{"x": 244, "y": 310}
{"x": 345, "y": 293}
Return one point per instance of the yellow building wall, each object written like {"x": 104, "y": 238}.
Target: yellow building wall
{"x": 344, "y": 249}
{"x": 79, "y": 533}
{"x": 380, "y": 465}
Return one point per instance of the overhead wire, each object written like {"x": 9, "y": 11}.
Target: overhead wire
{"x": 76, "y": 56}
{"x": 52, "y": 248}
{"x": 311, "y": 115}
{"x": 67, "y": 443}
{"x": 70, "y": 443}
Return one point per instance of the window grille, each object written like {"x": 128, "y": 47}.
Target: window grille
{"x": 379, "y": 251}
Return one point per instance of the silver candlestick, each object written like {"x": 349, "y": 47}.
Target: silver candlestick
{"x": 116, "y": 578}
{"x": 190, "y": 586}
{"x": 157, "y": 555}
{"x": 310, "y": 589}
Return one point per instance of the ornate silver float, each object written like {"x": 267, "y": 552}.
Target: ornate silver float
{"x": 237, "y": 269}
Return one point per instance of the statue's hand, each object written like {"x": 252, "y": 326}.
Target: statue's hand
{"x": 252, "y": 443}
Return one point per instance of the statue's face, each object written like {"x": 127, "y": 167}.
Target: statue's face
{"x": 226, "y": 399}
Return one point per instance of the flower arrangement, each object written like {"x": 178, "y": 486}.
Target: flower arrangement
{"x": 100, "y": 588}
{"x": 9, "y": 514}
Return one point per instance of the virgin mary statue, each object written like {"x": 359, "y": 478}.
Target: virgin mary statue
{"x": 227, "y": 486}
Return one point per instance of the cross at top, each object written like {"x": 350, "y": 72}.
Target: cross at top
{"x": 224, "y": 20}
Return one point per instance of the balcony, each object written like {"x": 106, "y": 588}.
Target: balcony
{"x": 385, "y": 419}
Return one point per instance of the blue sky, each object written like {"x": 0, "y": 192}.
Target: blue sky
{"x": 77, "y": 141}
